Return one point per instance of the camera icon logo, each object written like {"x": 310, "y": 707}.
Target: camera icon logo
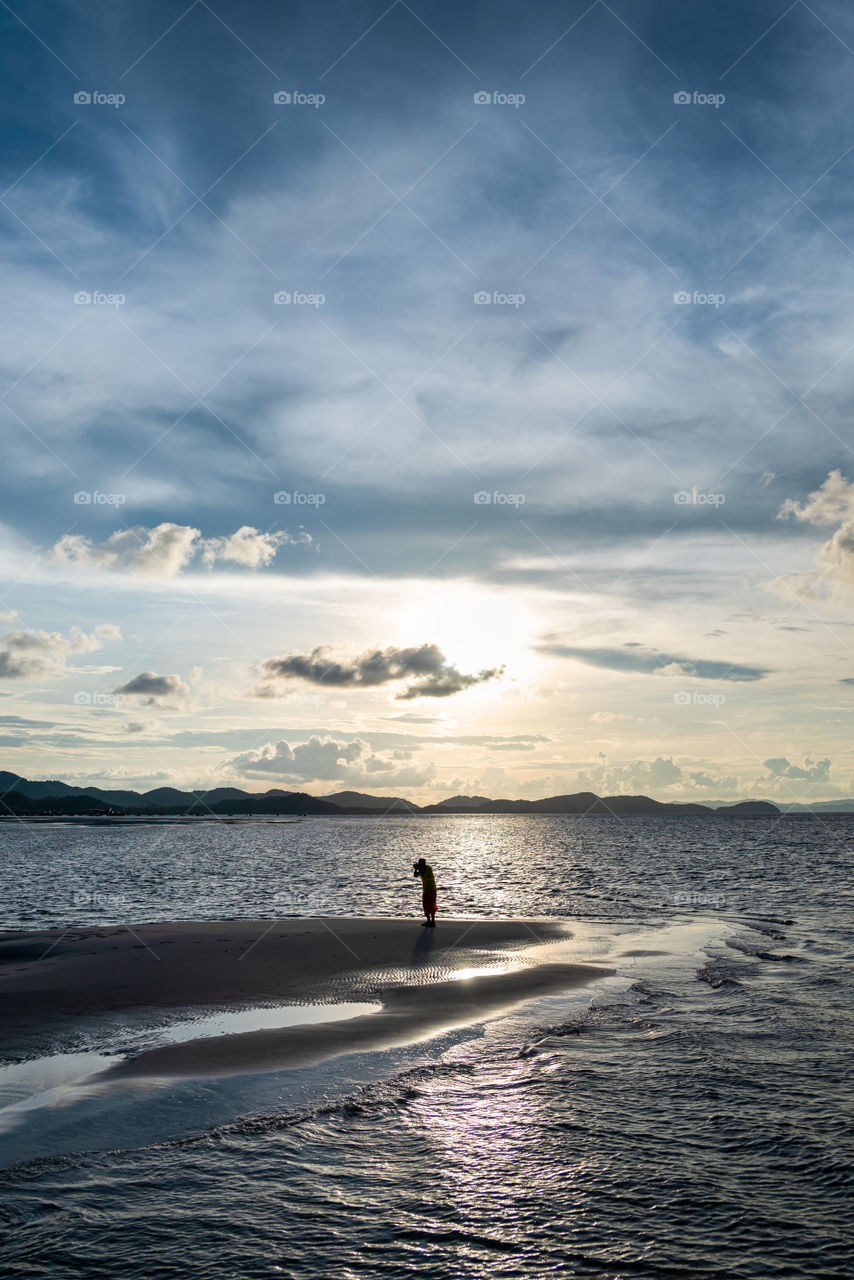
{"x": 682, "y": 498}
{"x": 282, "y": 298}
{"x": 482, "y": 98}
{"x": 82, "y": 498}
{"x": 482, "y": 498}
{"x": 282, "y": 498}
{"x": 682, "y": 698}
{"x": 681, "y": 298}
{"x": 82, "y": 298}
{"x": 281, "y": 98}
{"x": 82, "y": 699}
{"x": 482, "y": 298}
{"x": 681, "y": 98}
{"x": 82, "y": 98}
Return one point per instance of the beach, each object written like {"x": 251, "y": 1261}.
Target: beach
{"x": 424, "y": 979}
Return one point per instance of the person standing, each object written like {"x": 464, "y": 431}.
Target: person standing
{"x": 423, "y": 870}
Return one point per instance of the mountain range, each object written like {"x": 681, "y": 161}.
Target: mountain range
{"x": 21, "y": 797}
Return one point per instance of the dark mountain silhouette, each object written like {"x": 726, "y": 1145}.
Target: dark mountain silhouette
{"x": 24, "y": 798}
{"x": 358, "y": 800}
{"x": 461, "y": 802}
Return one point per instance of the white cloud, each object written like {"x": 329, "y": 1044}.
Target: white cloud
{"x": 329, "y": 759}
{"x": 161, "y": 552}
{"x": 832, "y": 503}
{"x": 248, "y": 547}
{"x": 165, "y": 550}
{"x": 637, "y": 776}
{"x": 29, "y": 655}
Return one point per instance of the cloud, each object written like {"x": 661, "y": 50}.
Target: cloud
{"x": 410, "y": 717}
{"x": 151, "y": 688}
{"x": 248, "y": 547}
{"x": 329, "y": 759}
{"x": 96, "y": 779}
{"x": 164, "y": 551}
{"x": 832, "y": 503}
{"x": 161, "y": 552}
{"x": 652, "y": 776}
{"x": 29, "y": 655}
{"x": 424, "y": 668}
{"x": 724, "y": 785}
{"x": 637, "y": 658}
{"x": 813, "y": 771}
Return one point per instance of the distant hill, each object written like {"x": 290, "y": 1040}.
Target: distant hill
{"x": 23, "y": 797}
{"x": 461, "y": 802}
{"x": 15, "y": 803}
{"x": 822, "y": 806}
{"x": 358, "y": 800}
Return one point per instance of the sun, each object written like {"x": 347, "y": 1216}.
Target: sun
{"x": 475, "y": 628}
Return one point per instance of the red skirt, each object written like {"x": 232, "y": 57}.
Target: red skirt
{"x": 428, "y": 902}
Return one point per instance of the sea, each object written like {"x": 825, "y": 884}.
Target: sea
{"x": 688, "y": 1115}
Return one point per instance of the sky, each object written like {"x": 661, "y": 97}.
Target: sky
{"x": 429, "y": 399}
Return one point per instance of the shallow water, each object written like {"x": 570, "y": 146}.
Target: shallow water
{"x": 689, "y": 1117}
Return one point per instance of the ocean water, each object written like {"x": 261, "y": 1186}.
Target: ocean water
{"x": 689, "y": 1116}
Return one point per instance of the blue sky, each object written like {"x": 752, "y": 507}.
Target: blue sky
{"x": 557, "y": 385}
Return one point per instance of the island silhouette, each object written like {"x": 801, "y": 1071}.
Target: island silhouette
{"x": 22, "y": 798}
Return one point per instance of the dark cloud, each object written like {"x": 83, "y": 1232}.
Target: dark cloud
{"x": 424, "y": 668}
{"x": 813, "y": 771}
{"x": 634, "y": 658}
{"x": 151, "y": 688}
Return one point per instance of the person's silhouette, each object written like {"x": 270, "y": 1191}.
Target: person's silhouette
{"x": 428, "y": 890}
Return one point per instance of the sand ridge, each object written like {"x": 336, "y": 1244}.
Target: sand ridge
{"x": 425, "y": 979}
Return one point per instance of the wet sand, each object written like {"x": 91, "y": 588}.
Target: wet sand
{"x": 49, "y": 981}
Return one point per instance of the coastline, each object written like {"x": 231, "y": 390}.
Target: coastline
{"x": 426, "y": 980}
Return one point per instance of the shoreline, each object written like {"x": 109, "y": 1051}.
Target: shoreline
{"x": 408, "y": 1015}
{"x": 427, "y": 980}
